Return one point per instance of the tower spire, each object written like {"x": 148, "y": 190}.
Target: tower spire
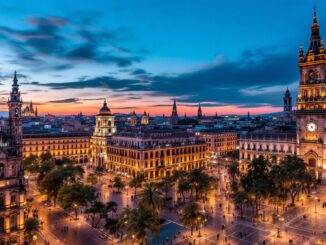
{"x": 315, "y": 38}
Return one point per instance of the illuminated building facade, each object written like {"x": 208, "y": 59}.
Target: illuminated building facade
{"x": 145, "y": 119}
{"x": 74, "y": 146}
{"x": 104, "y": 129}
{"x": 155, "y": 153}
{"x": 12, "y": 191}
{"x": 219, "y": 142}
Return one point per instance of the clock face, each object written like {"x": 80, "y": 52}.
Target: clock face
{"x": 16, "y": 112}
{"x": 312, "y": 127}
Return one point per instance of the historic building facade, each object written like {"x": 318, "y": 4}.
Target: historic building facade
{"x": 104, "y": 129}
{"x": 12, "y": 191}
{"x": 29, "y": 110}
{"x": 155, "y": 153}
{"x": 74, "y": 146}
{"x": 219, "y": 142}
{"x": 311, "y": 101}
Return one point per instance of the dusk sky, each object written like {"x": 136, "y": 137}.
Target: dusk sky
{"x": 231, "y": 56}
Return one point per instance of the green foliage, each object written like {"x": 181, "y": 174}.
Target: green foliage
{"x": 118, "y": 183}
{"x": 191, "y": 216}
{"x": 72, "y": 197}
{"x": 31, "y": 164}
{"x": 92, "y": 179}
{"x": 32, "y": 227}
{"x": 150, "y": 198}
{"x": 139, "y": 223}
{"x": 97, "y": 208}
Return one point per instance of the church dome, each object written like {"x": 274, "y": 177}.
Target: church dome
{"x": 105, "y": 109}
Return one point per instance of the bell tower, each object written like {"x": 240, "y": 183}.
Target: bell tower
{"x": 311, "y": 102}
{"x": 15, "y": 117}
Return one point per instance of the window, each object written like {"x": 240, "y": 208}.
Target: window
{"x": 2, "y": 200}
{"x": 13, "y": 222}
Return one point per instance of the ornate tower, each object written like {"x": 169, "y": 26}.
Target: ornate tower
{"x": 144, "y": 119}
{"x": 174, "y": 115}
{"x": 15, "y": 122}
{"x": 287, "y": 101}
{"x": 311, "y": 101}
{"x": 199, "y": 112}
{"x": 104, "y": 129}
{"x": 12, "y": 191}
{"x": 133, "y": 120}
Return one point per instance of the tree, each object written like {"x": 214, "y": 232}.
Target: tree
{"x": 142, "y": 223}
{"x": 150, "y": 198}
{"x": 296, "y": 176}
{"x": 191, "y": 216}
{"x": 240, "y": 199}
{"x": 165, "y": 185}
{"x": 118, "y": 183}
{"x": 70, "y": 173}
{"x": 123, "y": 219}
{"x": 72, "y": 197}
{"x": 46, "y": 156}
{"x": 31, "y": 164}
{"x": 96, "y": 208}
{"x": 183, "y": 187}
{"x": 32, "y": 228}
{"x": 92, "y": 179}
{"x": 136, "y": 182}
{"x": 111, "y": 207}
{"x": 51, "y": 184}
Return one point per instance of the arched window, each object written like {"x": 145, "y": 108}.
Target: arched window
{"x": 13, "y": 198}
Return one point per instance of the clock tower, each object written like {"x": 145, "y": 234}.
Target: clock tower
{"x": 15, "y": 117}
{"x": 311, "y": 102}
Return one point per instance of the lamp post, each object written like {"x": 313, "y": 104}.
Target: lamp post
{"x": 316, "y": 204}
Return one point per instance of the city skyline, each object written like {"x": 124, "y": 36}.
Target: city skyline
{"x": 136, "y": 57}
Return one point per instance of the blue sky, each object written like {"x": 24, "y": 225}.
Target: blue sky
{"x": 232, "y": 56}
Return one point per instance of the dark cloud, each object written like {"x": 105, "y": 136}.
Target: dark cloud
{"x": 247, "y": 81}
{"x": 52, "y": 41}
{"x": 63, "y": 101}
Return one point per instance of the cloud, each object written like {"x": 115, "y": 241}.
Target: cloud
{"x": 54, "y": 42}
{"x": 64, "y": 101}
{"x": 256, "y": 78}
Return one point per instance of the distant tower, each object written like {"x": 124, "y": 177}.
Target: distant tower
{"x": 199, "y": 112}
{"x": 133, "y": 120}
{"x": 287, "y": 101}
{"x": 144, "y": 119}
{"x": 174, "y": 115}
{"x": 248, "y": 116}
{"x": 104, "y": 129}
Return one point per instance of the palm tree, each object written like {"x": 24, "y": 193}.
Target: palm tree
{"x": 150, "y": 198}
{"x": 123, "y": 219}
{"x": 191, "y": 215}
{"x": 118, "y": 183}
{"x": 111, "y": 207}
{"x": 32, "y": 228}
{"x": 142, "y": 223}
{"x": 136, "y": 182}
{"x": 183, "y": 187}
{"x": 165, "y": 185}
{"x": 96, "y": 207}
